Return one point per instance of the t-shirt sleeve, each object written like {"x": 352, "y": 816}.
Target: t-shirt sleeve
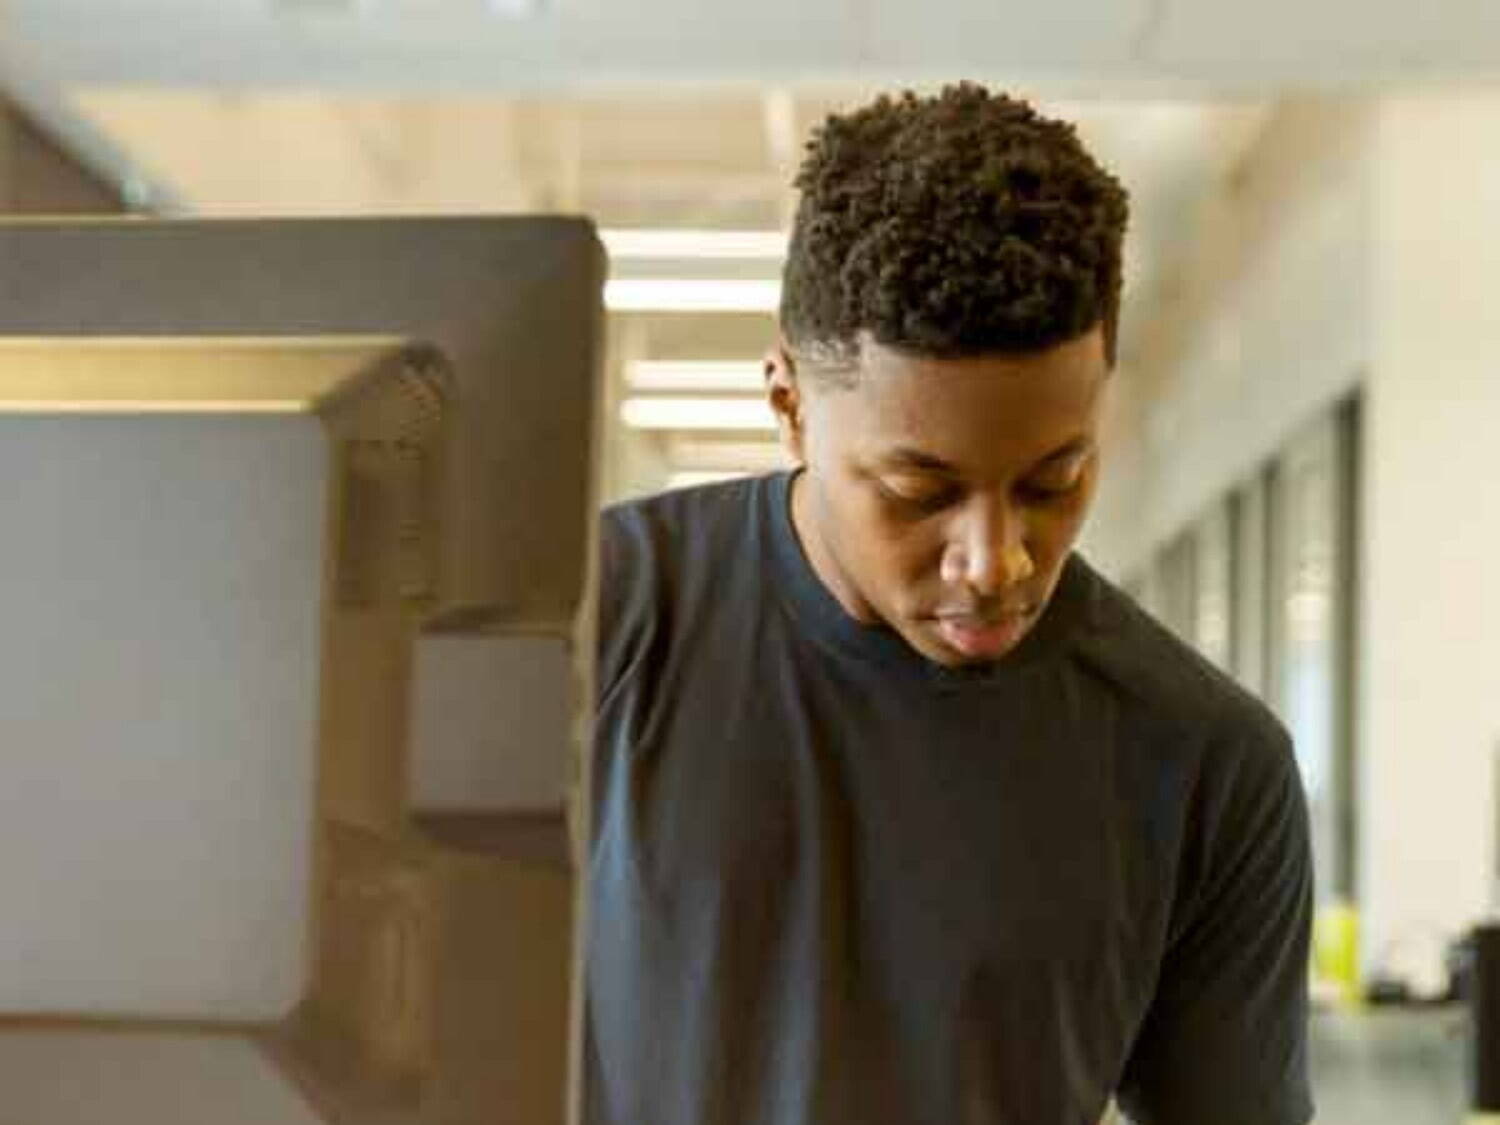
{"x": 1225, "y": 1039}
{"x": 621, "y": 619}
{"x": 624, "y": 611}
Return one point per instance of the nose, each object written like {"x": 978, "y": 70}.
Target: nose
{"x": 987, "y": 550}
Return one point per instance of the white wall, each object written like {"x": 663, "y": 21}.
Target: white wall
{"x": 1362, "y": 250}
{"x": 158, "y": 677}
{"x": 1270, "y": 327}
{"x": 1433, "y": 518}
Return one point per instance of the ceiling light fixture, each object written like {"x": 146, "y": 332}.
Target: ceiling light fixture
{"x": 744, "y": 455}
{"x": 509, "y": 9}
{"x": 128, "y": 406}
{"x": 737, "y": 245}
{"x": 696, "y": 376}
{"x": 697, "y": 414}
{"x": 692, "y": 478}
{"x": 671, "y": 294}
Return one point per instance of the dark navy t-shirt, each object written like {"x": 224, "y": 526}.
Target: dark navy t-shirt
{"x": 834, "y": 883}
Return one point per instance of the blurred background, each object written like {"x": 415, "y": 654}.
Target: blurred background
{"x": 1300, "y": 449}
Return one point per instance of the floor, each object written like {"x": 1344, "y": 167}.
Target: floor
{"x": 1371, "y": 1069}
{"x": 1391, "y": 1067}
{"x": 75, "y": 1077}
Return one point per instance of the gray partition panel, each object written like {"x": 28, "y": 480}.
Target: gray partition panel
{"x": 461, "y": 492}
{"x": 512, "y": 304}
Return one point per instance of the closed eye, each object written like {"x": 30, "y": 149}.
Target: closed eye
{"x": 1045, "y": 490}
{"x": 919, "y": 498}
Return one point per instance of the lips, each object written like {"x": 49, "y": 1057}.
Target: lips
{"x": 983, "y": 638}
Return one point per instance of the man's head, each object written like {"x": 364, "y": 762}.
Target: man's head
{"x": 949, "y": 317}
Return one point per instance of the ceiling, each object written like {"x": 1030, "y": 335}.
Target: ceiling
{"x": 481, "y": 44}
{"x": 710, "y": 158}
{"x": 673, "y": 113}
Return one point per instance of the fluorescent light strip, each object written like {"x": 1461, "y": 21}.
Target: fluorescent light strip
{"x": 697, "y": 414}
{"x": 744, "y": 455}
{"x": 696, "y": 477}
{"x": 661, "y": 375}
{"x": 656, "y": 294}
{"x": 741, "y": 245}
{"x": 393, "y": 9}
{"x": 117, "y": 406}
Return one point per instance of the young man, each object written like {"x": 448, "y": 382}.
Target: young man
{"x": 903, "y": 814}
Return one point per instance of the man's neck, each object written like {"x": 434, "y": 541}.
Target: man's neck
{"x": 824, "y": 563}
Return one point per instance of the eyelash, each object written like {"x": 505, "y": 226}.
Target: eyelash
{"x": 931, "y": 505}
{"x": 1041, "y": 494}
{"x": 926, "y": 505}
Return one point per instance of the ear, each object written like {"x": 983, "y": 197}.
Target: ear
{"x": 785, "y": 395}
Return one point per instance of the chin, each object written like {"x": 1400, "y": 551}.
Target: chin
{"x": 932, "y": 648}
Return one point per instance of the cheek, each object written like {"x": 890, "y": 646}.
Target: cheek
{"x": 910, "y": 560}
{"x": 1052, "y": 531}
{"x": 897, "y": 552}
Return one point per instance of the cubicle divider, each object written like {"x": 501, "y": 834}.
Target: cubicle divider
{"x": 453, "y": 364}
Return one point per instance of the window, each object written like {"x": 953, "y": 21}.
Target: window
{"x": 1310, "y": 629}
{"x": 1264, "y": 584}
{"x": 1251, "y": 543}
{"x": 1177, "y": 586}
{"x": 1213, "y": 586}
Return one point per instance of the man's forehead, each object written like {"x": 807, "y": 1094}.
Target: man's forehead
{"x": 932, "y": 413}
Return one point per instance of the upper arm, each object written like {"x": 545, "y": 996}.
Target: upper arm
{"x": 624, "y": 594}
{"x": 1224, "y": 1041}
{"x": 627, "y": 626}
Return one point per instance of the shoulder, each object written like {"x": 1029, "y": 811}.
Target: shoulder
{"x": 661, "y": 542}
{"x": 655, "y": 528}
{"x": 1241, "y": 815}
{"x": 1244, "y": 809}
{"x": 660, "y": 555}
{"x": 1155, "y": 672}
{"x": 1231, "y": 744}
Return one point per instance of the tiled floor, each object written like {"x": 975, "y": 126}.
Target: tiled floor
{"x": 66, "y": 1077}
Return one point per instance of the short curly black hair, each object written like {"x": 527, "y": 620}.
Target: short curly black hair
{"x": 959, "y": 224}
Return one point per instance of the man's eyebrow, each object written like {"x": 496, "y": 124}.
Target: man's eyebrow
{"x": 904, "y": 457}
{"x": 1072, "y": 449}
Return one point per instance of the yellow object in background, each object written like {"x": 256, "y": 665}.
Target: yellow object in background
{"x": 1336, "y": 951}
